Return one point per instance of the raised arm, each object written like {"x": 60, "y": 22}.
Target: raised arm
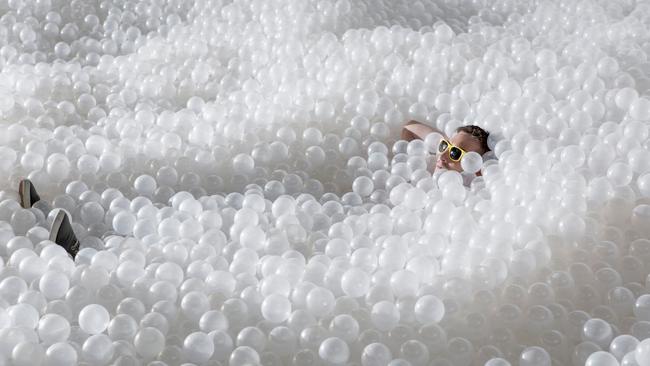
{"x": 416, "y": 130}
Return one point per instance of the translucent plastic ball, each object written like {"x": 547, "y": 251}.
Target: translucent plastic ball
{"x": 252, "y": 337}
{"x": 534, "y": 356}
{"x": 415, "y": 198}
{"x": 643, "y": 183}
{"x": 190, "y": 205}
{"x": 429, "y": 309}
{"x": 642, "y": 307}
{"x": 243, "y": 164}
{"x": 355, "y": 282}
{"x": 276, "y": 308}
{"x": 378, "y": 161}
{"x": 620, "y": 174}
{"x": 124, "y": 222}
{"x": 93, "y": 319}
{"x": 252, "y": 237}
{"x": 97, "y": 349}
{"x": 53, "y": 328}
{"x": 571, "y": 226}
{"x": 91, "y": 213}
{"x": 403, "y": 362}
{"x": 122, "y": 327}
{"x": 58, "y": 167}
{"x": 431, "y": 141}
{"x": 404, "y": 283}
{"x": 149, "y": 342}
{"x": 155, "y": 320}
{"x": 128, "y": 271}
{"x": 223, "y": 344}
{"x": 363, "y": 186}
{"x": 88, "y": 164}
{"x": 601, "y": 358}
{"x": 334, "y": 350}
{"x": 345, "y": 327}
{"x": 629, "y": 360}
{"x": 198, "y": 347}
{"x": 460, "y": 350}
{"x": 622, "y": 345}
{"x": 60, "y": 354}
{"x": 145, "y": 185}
{"x": 29, "y": 267}
{"x": 32, "y": 161}
{"x": 385, "y": 315}
{"x": 320, "y": 301}
{"x": 642, "y": 353}
{"x": 23, "y": 314}
{"x": 213, "y": 320}
{"x": 376, "y": 354}
{"x": 194, "y": 304}
{"x": 471, "y": 162}
{"x": 640, "y": 109}
{"x": 244, "y": 355}
{"x": 22, "y": 220}
{"x": 597, "y": 331}
{"x": 275, "y": 284}
{"x": 497, "y": 362}
{"x": 27, "y": 353}
{"x": 54, "y": 284}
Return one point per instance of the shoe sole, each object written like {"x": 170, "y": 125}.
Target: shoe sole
{"x": 23, "y": 188}
{"x": 56, "y": 225}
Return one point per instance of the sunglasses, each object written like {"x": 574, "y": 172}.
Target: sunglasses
{"x": 455, "y": 152}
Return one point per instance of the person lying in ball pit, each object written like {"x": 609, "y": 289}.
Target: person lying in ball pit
{"x": 450, "y": 151}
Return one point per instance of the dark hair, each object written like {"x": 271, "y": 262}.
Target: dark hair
{"x": 480, "y": 134}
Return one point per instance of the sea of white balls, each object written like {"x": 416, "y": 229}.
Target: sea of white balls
{"x": 234, "y": 173}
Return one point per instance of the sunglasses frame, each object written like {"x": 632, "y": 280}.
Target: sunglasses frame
{"x": 448, "y": 150}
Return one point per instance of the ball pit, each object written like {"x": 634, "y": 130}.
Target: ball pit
{"x": 234, "y": 173}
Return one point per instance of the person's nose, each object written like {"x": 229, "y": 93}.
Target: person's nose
{"x": 444, "y": 156}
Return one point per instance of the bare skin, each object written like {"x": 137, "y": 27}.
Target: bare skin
{"x": 466, "y": 142}
{"x": 416, "y": 130}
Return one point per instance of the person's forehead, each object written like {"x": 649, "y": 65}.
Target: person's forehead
{"x": 466, "y": 141}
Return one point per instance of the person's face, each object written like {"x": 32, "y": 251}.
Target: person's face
{"x": 466, "y": 142}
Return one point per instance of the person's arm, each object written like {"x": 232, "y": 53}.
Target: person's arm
{"x": 413, "y": 130}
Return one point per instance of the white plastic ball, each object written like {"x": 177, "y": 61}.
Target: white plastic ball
{"x": 198, "y": 347}
{"x": 363, "y": 186}
{"x": 54, "y": 284}
{"x": 429, "y": 309}
{"x": 376, "y": 354}
{"x": 471, "y": 162}
{"x": 534, "y": 356}
{"x": 93, "y": 319}
{"x": 355, "y": 282}
{"x": 60, "y": 354}
{"x": 385, "y": 315}
{"x": 53, "y": 328}
{"x": 320, "y": 301}
{"x": 124, "y": 222}
{"x": 149, "y": 342}
{"x": 601, "y": 358}
{"x": 276, "y": 308}
{"x": 334, "y": 350}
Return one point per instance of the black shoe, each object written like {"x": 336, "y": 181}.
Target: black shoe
{"x": 62, "y": 233}
{"x": 27, "y": 192}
